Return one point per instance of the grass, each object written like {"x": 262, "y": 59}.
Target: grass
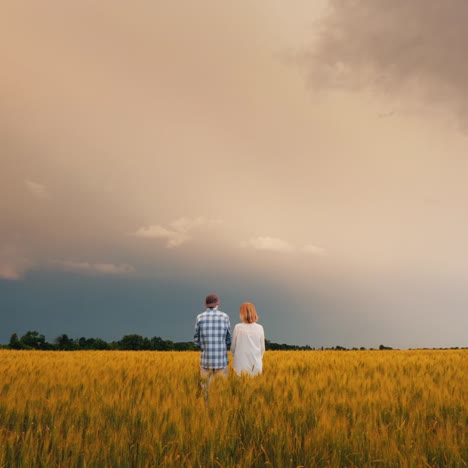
{"x": 320, "y": 408}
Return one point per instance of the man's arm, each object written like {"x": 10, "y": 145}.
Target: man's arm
{"x": 196, "y": 337}
{"x": 228, "y": 334}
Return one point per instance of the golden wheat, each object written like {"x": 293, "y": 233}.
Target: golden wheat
{"x": 330, "y": 408}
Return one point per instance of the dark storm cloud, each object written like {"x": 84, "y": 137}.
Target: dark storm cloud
{"x": 396, "y": 46}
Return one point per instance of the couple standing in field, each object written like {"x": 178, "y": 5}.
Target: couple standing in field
{"x": 213, "y": 337}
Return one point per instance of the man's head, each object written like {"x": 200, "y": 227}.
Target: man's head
{"x": 212, "y": 300}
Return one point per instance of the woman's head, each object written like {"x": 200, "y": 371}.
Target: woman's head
{"x": 247, "y": 312}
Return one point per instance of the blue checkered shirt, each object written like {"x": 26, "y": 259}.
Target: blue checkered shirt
{"x": 213, "y": 337}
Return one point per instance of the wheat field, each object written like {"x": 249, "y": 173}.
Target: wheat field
{"x": 315, "y": 408}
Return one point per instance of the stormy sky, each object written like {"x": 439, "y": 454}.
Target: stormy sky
{"x": 310, "y": 157}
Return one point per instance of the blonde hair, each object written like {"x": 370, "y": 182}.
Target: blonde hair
{"x": 248, "y": 313}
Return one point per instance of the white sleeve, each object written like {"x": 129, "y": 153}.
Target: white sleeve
{"x": 262, "y": 340}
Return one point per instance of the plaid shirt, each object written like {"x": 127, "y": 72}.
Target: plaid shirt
{"x": 213, "y": 337}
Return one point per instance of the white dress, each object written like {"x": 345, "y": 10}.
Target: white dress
{"x": 247, "y": 347}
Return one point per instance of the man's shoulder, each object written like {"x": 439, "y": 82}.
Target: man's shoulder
{"x": 215, "y": 315}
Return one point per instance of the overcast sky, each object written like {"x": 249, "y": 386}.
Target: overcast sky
{"x": 310, "y": 157}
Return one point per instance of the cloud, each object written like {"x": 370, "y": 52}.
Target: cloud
{"x": 178, "y": 232}
{"x": 36, "y": 189}
{"x": 394, "y": 47}
{"x": 13, "y": 263}
{"x": 268, "y": 243}
{"x": 94, "y": 268}
{"x": 314, "y": 250}
{"x": 174, "y": 238}
{"x": 275, "y": 244}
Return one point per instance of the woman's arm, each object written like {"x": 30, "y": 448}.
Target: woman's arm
{"x": 262, "y": 341}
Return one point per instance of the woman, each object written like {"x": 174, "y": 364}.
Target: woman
{"x": 248, "y": 342}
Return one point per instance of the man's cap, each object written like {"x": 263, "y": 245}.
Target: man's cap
{"x": 211, "y": 300}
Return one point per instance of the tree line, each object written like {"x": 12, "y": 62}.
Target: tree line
{"x": 35, "y": 340}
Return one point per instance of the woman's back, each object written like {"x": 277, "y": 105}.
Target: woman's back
{"x": 248, "y": 346}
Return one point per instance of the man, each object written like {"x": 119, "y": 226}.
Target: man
{"x": 213, "y": 337}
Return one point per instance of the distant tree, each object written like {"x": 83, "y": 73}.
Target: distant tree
{"x": 92, "y": 343}
{"x": 185, "y": 346}
{"x": 134, "y": 343}
{"x": 269, "y": 345}
{"x": 100, "y": 344}
{"x": 382, "y": 347}
{"x": 64, "y": 343}
{"x": 33, "y": 340}
{"x": 158, "y": 344}
{"x": 169, "y": 345}
{"x": 83, "y": 343}
{"x": 15, "y": 342}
